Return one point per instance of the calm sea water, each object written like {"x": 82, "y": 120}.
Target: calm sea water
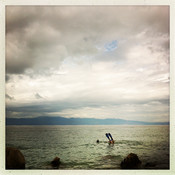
{"x": 77, "y": 148}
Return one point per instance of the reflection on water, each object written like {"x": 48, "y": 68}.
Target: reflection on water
{"x": 77, "y": 148}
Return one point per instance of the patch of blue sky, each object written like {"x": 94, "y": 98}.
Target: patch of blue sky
{"x": 111, "y": 46}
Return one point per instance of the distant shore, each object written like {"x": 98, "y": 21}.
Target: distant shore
{"x": 46, "y": 120}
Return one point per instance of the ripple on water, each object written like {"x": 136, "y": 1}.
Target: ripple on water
{"x": 77, "y": 148}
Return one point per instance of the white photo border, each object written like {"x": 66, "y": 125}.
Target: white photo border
{"x": 4, "y": 3}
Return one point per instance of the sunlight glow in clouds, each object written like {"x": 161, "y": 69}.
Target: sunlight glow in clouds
{"x": 65, "y": 61}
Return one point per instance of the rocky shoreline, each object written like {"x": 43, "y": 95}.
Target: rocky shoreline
{"x": 16, "y": 160}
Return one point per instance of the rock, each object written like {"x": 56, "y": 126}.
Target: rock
{"x": 131, "y": 162}
{"x": 150, "y": 165}
{"x": 56, "y": 162}
{"x": 97, "y": 141}
{"x": 14, "y": 159}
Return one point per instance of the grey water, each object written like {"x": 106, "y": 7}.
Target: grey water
{"x": 76, "y": 145}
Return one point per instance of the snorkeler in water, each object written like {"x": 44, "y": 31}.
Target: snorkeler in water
{"x": 109, "y": 136}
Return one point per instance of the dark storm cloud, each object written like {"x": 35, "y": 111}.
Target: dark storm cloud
{"x": 38, "y": 96}
{"x": 36, "y": 110}
{"x": 19, "y": 17}
{"x": 7, "y": 77}
{"x": 9, "y": 97}
{"x": 37, "y": 36}
{"x": 52, "y": 108}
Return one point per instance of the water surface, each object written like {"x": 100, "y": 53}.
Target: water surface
{"x": 77, "y": 148}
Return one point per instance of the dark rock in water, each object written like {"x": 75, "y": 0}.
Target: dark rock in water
{"x": 56, "y": 162}
{"x": 131, "y": 162}
{"x": 150, "y": 165}
{"x": 14, "y": 159}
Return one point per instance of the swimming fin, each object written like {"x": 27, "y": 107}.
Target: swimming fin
{"x": 110, "y": 136}
{"x": 107, "y": 135}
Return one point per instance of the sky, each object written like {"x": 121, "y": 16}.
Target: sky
{"x": 88, "y": 62}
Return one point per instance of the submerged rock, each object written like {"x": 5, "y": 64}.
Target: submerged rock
{"x": 14, "y": 159}
{"x": 131, "y": 162}
{"x": 150, "y": 165}
{"x": 56, "y": 162}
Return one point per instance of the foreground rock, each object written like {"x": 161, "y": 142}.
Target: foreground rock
{"x": 131, "y": 162}
{"x": 56, "y": 162}
{"x": 14, "y": 159}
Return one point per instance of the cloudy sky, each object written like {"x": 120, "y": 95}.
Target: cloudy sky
{"x": 88, "y": 62}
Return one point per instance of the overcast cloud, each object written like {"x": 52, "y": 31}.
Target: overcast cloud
{"x": 88, "y": 61}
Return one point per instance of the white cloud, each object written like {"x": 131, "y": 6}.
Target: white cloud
{"x": 141, "y": 112}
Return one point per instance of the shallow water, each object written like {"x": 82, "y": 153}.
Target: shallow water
{"x": 77, "y": 148}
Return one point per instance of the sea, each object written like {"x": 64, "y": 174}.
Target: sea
{"x": 77, "y": 148}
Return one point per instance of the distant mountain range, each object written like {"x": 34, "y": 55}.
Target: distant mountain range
{"x": 45, "y": 120}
